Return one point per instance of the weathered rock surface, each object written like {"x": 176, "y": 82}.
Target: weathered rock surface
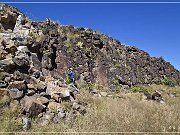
{"x": 16, "y": 94}
{"x": 95, "y": 57}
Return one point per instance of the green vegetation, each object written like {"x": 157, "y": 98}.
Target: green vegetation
{"x": 9, "y": 123}
{"x": 115, "y": 82}
{"x": 67, "y": 80}
{"x": 72, "y": 36}
{"x": 140, "y": 89}
{"x": 117, "y": 65}
{"x": 5, "y": 101}
{"x": 168, "y": 82}
{"x": 67, "y": 44}
{"x": 80, "y": 44}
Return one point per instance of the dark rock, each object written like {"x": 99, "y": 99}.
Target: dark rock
{"x": 7, "y": 65}
{"x": 156, "y": 96}
{"x": 30, "y": 92}
{"x": 3, "y": 84}
{"x": 31, "y": 106}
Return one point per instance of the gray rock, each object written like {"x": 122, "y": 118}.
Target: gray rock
{"x": 156, "y": 96}
{"x": 3, "y": 84}
{"x": 19, "y": 22}
{"x": 35, "y": 61}
{"x": 56, "y": 120}
{"x": 76, "y": 106}
{"x": 16, "y": 94}
{"x": 23, "y": 49}
{"x": 44, "y": 122}
{"x": 61, "y": 114}
{"x": 30, "y": 92}
{"x": 7, "y": 79}
{"x": 47, "y": 118}
{"x": 22, "y": 60}
{"x": 27, "y": 123}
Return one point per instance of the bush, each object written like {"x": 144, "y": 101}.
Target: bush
{"x": 168, "y": 82}
{"x": 140, "y": 89}
{"x": 80, "y": 44}
{"x": 9, "y": 123}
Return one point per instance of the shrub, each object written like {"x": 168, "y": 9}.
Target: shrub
{"x": 5, "y": 101}
{"x": 168, "y": 82}
{"x": 140, "y": 89}
{"x": 80, "y": 44}
{"x": 67, "y": 44}
{"x": 9, "y": 123}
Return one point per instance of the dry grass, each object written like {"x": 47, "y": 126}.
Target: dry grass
{"x": 128, "y": 113}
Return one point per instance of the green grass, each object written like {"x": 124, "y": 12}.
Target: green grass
{"x": 9, "y": 123}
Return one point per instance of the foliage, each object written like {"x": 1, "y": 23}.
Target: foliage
{"x": 72, "y": 36}
{"x": 67, "y": 43}
{"x": 80, "y": 44}
{"x": 117, "y": 65}
{"x": 140, "y": 89}
{"x": 8, "y": 122}
{"x": 168, "y": 82}
{"x": 67, "y": 80}
{"x": 5, "y": 101}
{"x": 115, "y": 82}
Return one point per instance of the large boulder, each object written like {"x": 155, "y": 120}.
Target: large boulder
{"x": 53, "y": 89}
{"x": 32, "y": 106}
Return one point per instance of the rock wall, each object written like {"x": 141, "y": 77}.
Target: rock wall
{"x": 96, "y": 58}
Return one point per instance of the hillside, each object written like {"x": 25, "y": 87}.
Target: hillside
{"x": 35, "y": 57}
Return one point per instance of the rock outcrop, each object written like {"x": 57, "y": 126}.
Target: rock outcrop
{"x": 34, "y": 58}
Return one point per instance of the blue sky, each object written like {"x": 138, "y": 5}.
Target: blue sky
{"x": 154, "y": 28}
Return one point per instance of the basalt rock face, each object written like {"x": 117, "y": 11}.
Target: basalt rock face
{"x": 45, "y": 48}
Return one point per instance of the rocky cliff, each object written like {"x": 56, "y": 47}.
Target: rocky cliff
{"x": 47, "y": 48}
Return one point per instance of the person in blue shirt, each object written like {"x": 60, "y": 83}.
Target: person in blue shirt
{"x": 71, "y": 75}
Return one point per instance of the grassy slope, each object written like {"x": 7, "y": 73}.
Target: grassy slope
{"x": 128, "y": 113}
